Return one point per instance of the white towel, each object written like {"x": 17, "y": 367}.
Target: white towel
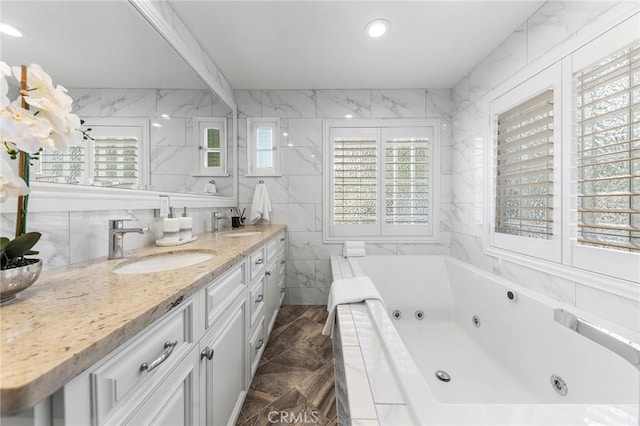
{"x": 348, "y": 290}
{"x": 211, "y": 188}
{"x": 353, "y": 244}
{"x": 353, "y": 252}
{"x": 261, "y": 206}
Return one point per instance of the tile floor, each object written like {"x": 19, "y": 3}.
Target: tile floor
{"x": 294, "y": 383}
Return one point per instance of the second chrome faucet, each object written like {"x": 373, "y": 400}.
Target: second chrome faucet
{"x": 116, "y": 237}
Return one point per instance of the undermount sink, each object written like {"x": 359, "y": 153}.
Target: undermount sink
{"x": 241, "y": 233}
{"x": 164, "y": 262}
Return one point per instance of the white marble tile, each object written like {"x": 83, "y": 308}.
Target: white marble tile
{"x": 508, "y": 58}
{"x": 423, "y": 249}
{"x": 249, "y": 103}
{"x": 556, "y": 21}
{"x": 446, "y": 217}
{"x": 468, "y": 121}
{"x": 185, "y": 103}
{"x": 445, "y": 189}
{"x": 460, "y": 95}
{"x": 170, "y": 183}
{"x": 242, "y": 147}
{"x": 469, "y": 249}
{"x": 348, "y": 334}
{"x": 53, "y": 246}
{"x": 172, "y": 133}
{"x": 169, "y": 160}
{"x": 439, "y": 103}
{"x": 319, "y": 213}
{"x": 556, "y": 287}
{"x": 128, "y": 103}
{"x": 289, "y": 103}
{"x": 86, "y": 102}
{"x": 445, "y": 132}
{"x": 394, "y": 414}
{"x": 464, "y": 187}
{"x": 308, "y": 245}
{"x": 306, "y": 296}
{"x": 304, "y": 132}
{"x": 364, "y": 422}
{"x": 361, "y": 405}
{"x": 445, "y": 160}
{"x": 305, "y": 189}
{"x": 340, "y": 103}
{"x": 398, "y": 103}
{"x": 219, "y": 108}
{"x": 299, "y": 161}
{"x": 300, "y": 273}
{"x": 382, "y": 249}
{"x": 298, "y": 217}
{"x": 617, "y": 309}
{"x": 466, "y": 218}
{"x": 323, "y": 273}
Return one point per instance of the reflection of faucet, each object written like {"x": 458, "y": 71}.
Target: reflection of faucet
{"x": 116, "y": 237}
{"x": 215, "y": 217}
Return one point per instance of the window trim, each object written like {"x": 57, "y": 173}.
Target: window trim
{"x": 252, "y": 167}
{"x": 199, "y": 124}
{"x": 434, "y": 236}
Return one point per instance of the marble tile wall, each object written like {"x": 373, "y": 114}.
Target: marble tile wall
{"x": 551, "y": 25}
{"x": 296, "y": 196}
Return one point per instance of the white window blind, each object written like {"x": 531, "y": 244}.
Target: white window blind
{"x": 524, "y": 169}
{"x": 62, "y": 166}
{"x": 355, "y": 183}
{"x": 264, "y": 147}
{"x": 213, "y": 147}
{"x": 608, "y": 130}
{"x": 115, "y": 162}
{"x": 406, "y": 181}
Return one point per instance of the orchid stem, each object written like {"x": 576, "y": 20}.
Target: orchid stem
{"x": 23, "y": 166}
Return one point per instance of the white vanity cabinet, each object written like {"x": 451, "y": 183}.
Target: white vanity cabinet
{"x": 274, "y": 279}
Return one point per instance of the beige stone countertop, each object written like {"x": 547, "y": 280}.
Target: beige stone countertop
{"x": 75, "y": 315}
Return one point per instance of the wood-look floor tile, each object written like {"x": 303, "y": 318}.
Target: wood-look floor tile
{"x": 292, "y": 408}
{"x": 292, "y": 335}
{"x": 254, "y": 402}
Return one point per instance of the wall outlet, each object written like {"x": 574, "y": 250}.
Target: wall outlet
{"x": 164, "y": 206}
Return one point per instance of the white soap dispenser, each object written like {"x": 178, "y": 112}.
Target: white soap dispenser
{"x": 186, "y": 226}
{"x": 171, "y": 228}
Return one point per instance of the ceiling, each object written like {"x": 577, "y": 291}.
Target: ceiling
{"x": 93, "y": 44}
{"x": 321, "y": 44}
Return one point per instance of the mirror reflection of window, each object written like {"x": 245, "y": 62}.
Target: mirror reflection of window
{"x": 112, "y": 157}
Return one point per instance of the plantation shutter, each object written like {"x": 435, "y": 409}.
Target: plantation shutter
{"x": 115, "y": 162}
{"x": 355, "y": 181}
{"x": 608, "y": 129}
{"x": 524, "y": 180}
{"x": 62, "y": 166}
{"x": 406, "y": 181}
{"x": 213, "y": 156}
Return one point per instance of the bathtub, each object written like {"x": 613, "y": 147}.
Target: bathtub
{"x": 507, "y": 360}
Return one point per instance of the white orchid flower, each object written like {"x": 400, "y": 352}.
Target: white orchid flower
{"x": 11, "y": 185}
{"x": 28, "y": 132}
{"x": 5, "y": 71}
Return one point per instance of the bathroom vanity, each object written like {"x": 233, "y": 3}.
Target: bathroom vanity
{"x": 92, "y": 346}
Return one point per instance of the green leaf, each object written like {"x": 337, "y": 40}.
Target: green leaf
{"x": 18, "y": 247}
{"x": 3, "y": 242}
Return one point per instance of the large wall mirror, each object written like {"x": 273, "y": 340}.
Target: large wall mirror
{"x": 156, "y": 125}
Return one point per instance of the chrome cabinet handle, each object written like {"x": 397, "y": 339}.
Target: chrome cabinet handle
{"x": 260, "y": 299}
{"x": 168, "y": 348}
{"x": 261, "y": 342}
{"x": 282, "y": 262}
{"x": 282, "y": 290}
{"x": 268, "y": 273}
{"x": 259, "y": 262}
{"x": 282, "y": 239}
{"x": 207, "y": 353}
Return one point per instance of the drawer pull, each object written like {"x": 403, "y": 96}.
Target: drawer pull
{"x": 168, "y": 348}
{"x": 260, "y": 343}
{"x": 207, "y": 353}
{"x": 282, "y": 239}
{"x": 282, "y": 290}
{"x": 268, "y": 273}
{"x": 282, "y": 262}
{"x": 260, "y": 298}
{"x": 259, "y": 262}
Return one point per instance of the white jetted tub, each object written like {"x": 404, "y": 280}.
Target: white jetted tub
{"x": 454, "y": 345}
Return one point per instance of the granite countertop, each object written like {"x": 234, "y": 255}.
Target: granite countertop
{"x": 74, "y": 315}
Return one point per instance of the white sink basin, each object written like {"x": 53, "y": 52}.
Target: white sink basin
{"x": 163, "y": 262}
{"x": 241, "y": 234}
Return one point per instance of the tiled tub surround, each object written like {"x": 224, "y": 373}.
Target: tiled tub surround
{"x": 500, "y": 371}
{"x": 296, "y": 195}
{"x": 538, "y": 41}
{"x": 73, "y": 316}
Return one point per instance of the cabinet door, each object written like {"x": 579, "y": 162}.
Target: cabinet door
{"x": 275, "y": 274}
{"x": 224, "y": 372}
{"x": 175, "y": 401}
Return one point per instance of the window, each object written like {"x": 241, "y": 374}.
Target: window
{"x": 262, "y": 141}
{"x": 211, "y": 137}
{"x": 525, "y": 191}
{"x": 571, "y": 197}
{"x": 114, "y": 157}
{"x": 380, "y": 182}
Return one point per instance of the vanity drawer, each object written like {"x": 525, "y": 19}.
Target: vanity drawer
{"x": 272, "y": 248}
{"x": 257, "y": 301}
{"x": 257, "y": 261}
{"x": 281, "y": 241}
{"x": 222, "y": 291}
{"x": 143, "y": 363}
{"x": 257, "y": 342}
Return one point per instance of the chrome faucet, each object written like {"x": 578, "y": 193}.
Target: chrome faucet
{"x": 116, "y": 237}
{"x": 215, "y": 218}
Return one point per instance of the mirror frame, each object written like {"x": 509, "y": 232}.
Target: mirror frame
{"x": 64, "y": 197}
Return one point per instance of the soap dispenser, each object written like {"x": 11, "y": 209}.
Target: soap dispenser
{"x": 186, "y": 226}
{"x": 171, "y": 228}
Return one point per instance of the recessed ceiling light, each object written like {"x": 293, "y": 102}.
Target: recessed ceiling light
{"x": 166, "y": 116}
{"x": 285, "y": 134}
{"x": 377, "y": 28}
{"x": 156, "y": 124}
{"x": 9, "y": 30}
{"x": 348, "y": 116}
